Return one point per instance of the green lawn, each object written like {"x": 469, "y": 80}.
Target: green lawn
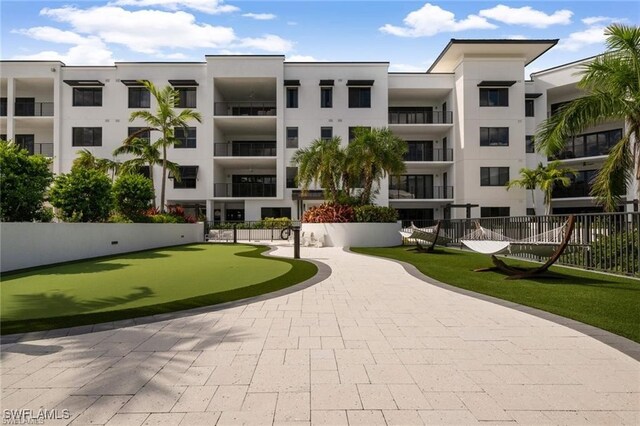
{"x": 142, "y": 283}
{"x": 608, "y": 302}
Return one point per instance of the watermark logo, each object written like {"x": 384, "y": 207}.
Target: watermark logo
{"x": 33, "y": 417}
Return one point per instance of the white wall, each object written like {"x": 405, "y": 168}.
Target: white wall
{"x": 25, "y": 244}
{"x": 355, "y": 234}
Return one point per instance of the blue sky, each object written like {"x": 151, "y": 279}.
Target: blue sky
{"x": 408, "y": 34}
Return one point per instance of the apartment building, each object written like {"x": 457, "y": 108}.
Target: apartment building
{"x": 467, "y": 120}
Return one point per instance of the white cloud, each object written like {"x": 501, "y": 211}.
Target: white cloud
{"x": 86, "y": 50}
{"x": 430, "y": 20}
{"x": 292, "y": 23}
{"x": 267, "y": 43}
{"x": 580, "y": 39}
{"x": 516, "y": 37}
{"x": 207, "y": 6}
{"x": 260, "y": 16}
{"x": 527, "y": 16}
{"x": 596, "y": 20}
{"x": 407, "y": 68}
{"x": 301, "y": 58}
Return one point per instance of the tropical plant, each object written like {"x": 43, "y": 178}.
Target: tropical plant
{"x": 372, "y": 155}
{"x": 551, "y": 175}
{"x": 329, "y": 213}
{"x": 132, "y": 194}
{"x": 378, "y": 214}
{"x": 612, "y": 85}
{"x": 84, "y": 195}
{"x": 86, "y": 160}
{"x": 529, "y": 180}
{"x": 164, "y": 121}
{"x": 322, "y": 163}
{"x": 24, "y": 180}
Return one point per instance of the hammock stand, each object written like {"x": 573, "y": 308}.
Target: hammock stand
{"x": 516, "y": 273}
{"x": 422, "y": 234}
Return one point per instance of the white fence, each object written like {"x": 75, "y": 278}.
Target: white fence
{"x": 25, "y": 244}
{"x": 355, "y": 234}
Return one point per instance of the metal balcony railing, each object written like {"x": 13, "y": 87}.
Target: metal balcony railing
{"x": 244, "y": 190}
{"x": 245, "y": 149}
{"x": 45, "y": 149}
{"x": 33, "y": 109}
{"x": 429, "y": 155}
{"x": 419, "y": 116}
{"x": 421, "y": 193}
{"x": 237, "y": 109}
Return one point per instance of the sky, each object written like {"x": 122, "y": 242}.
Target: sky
{"x": 408, "y": 34}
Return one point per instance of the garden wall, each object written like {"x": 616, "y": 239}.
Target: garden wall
{"x": 26, "y": 244}
{"x": 356, "y": 234}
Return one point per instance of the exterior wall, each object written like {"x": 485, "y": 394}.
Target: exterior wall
{"x": 26, "y": 244}
{"x": 355, "y": 234}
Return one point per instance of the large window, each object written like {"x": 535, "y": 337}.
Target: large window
{"x": 292, "y": 172}
{"x": 359, "y": 97}
{"x": 187, "y": 137}
{"x": 413, "y": 187}
{"x": 326, "y": 97}
{"x": 266, "y": 212}
{"x": 3, "y": 107}
{"x": 187, "y": 97}
{"x": 494, "y": 97}
{"x": 139, "y": 97}
{"x": 26, "y": 142}
{"x": 188, "y": 177}
{"x": 292, "y": 97}
{"x": 530, "y": 146}
{"x": 326, "y": 133}
{"x": 495, "y": 211}
{"x": 494, "y": 176}
{"x": 292, "y": 137}
{"x": 87, "y": 136}
{"x": 494, "y": 136}
{"x": 529, "y": 108}
{"x": 87, "y": 96}
{"x": 591, "y": 144}
{"x": 253, "y": 186}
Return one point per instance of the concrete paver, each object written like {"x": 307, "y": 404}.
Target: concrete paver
{"x": 370, "y": 344}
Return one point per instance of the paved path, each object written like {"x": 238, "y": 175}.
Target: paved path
{"x": 369, "y": 345}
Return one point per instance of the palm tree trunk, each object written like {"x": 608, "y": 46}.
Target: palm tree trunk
{"x": 533, "y": 200}
{"x": 164, "y": 177}
{"x": 547, "y": 202}
{"x": 153, "y": 203}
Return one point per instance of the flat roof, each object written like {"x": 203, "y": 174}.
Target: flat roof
{"x": 568, "y": 64}
{"x": 457, "y": 48}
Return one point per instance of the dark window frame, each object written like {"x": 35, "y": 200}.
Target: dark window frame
{"x": 326, "y": 97}
{"x": 188, "y": 140}
{"x": 492, "y": 136}
{"x": 275, "y": 212}
{"x": 146, "y": 135}
{"x": 187, "y": 97}
{"x": 529, "y": 145}
{"x": 359, "y": 97}
{"x": 87, "y": 96}
{"x": 290, "y": 177}
{"x": 487, "y": 178}
{"x": 323, "y": 132}
{"x": 3, "y": 107}
{"x": 494, "y": 96}
{"x": 529, "y": 108}
{"x": 292, "y": 141}
{"x": 95, "y": 133}
{"x": 503, "y": 211}
{"x": 292, "y": 97}
{"x": 139, "y": 97}
{"x": 187, "y": 180}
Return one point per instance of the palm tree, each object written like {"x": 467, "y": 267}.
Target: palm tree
{"x": 164, "y": 121}
{"x": 373, "y": 154}
{"x": 612, "y": 86}
{"x": 321, "y": 163}
{"x": 529, "y": 180}
{"x": 550, "y": 176}
{"x": 86, "y": 160}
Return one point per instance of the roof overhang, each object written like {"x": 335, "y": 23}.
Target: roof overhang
{"x": 84, "y": 83}
{"x": 183, "y": 83}
{"x": 326, "y": 82}
{"x": 451, "y": 56}
{"x": 532, "y": 95}
{"x": 292, "y": 82}
{"x": 496, "y": 83}
{"x": 360, "y": 82}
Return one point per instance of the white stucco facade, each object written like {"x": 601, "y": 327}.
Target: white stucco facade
{"x": 244, "y": 144}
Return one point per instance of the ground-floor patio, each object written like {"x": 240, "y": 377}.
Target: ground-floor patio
{"x": 370, "y": 344}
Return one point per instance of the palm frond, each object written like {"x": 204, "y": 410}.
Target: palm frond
{"x": 610, "y": 183}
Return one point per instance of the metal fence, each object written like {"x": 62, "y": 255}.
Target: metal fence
{"x": 607, "y": 242}
{"x": 247, "y": 231}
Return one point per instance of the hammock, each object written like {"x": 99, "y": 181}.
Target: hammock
{"x": 430, "y": 234}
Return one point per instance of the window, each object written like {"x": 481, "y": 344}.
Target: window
{"x": 144, "y": 171}
{"x": 494, "y": 176}
{"x": 144, "y": 135}
{"x": 253, "y": 186}
{"x": 3, "y": 107}
{"x": 188, "y": 177}
{"x": 529, "y": 110}
{"x": 26, "y": 142}
{"x": 187, "y": 137}
{"x": 555, "y": 108}
{"x": 266, "y": 212}
{"x": 292, "y": 137}
{"x": 87, "y": 136}
{"x": 531, "y": 212}
{"x": 87, "y": 96}
{"x": 359, "y": 97}
{"x": 494, "y": 211}
{"x": 326, "y": 133}
{"x": 292, "y": 97}
{"x": 493, "y": 97}
{"x": 292, "y": 172}
{"x": 139, "y": 97}
{"x": 591, "y": 144}
{"x": 187, "y": 97}
{"x": 530, "y": 146}
{"x": 494, "y": 136}
{"x": 25, "y": 107}
{"x": 326, "y": 97}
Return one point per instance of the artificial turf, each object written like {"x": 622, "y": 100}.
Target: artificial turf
{"x": 608, "y": 302}
{"x": 142, "y": 283}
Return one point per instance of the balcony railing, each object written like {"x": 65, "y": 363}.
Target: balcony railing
{"x": 430, "y": 155}
{"x": 237, "y": 109}
{"x": 580, "y": 189}
{"x": 244, "y": 190}
{"x": 45, "y": 149}
{"x": 245, "y": 149}
{"x": 420, "y": 116}
{"x": 421, "y": 193}
{"x": 33, "y": 109}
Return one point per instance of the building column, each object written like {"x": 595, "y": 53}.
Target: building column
{"x": 210, "y": 204}
{"x": 11, "y": 105}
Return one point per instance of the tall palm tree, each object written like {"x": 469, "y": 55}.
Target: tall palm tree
{"x": 373, "y": 154}
{"x": 164, "y": 121}
{"x": 86, "y": 160}
{"x": 550, "y": 176}
{"x": 612, "y": 86}
{"x": 529, "y": 180}
{"x": 321, "y": 163}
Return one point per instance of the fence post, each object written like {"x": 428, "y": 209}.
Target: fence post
{"x": 235, "y": 233}
{"x": 296, "y": 241}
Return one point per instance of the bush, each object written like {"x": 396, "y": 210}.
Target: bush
{"x": 118, "y": 218}
{"x": 329, "y": 213}
{"x": 276, "y": 222}
{"x": 24, "y": 180}
{"x": 84, "y": 195}
{"x": 371, "y": 213}
{"x": 602, "y": 250}
{"x": 132, "y": 195}
{"x": 166, "y": 218}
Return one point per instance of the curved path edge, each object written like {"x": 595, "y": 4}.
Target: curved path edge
{"x": 622, "y": 344}
{"x": 324, "y": 272}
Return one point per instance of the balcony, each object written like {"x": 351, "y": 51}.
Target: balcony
{"x": 244, "y": 190}
{"x": 421, "y": 193}
{"x": 245, "y": 149}
{"x": 589, "y": 145}
{"x": 429, "y": 155}
{"x": 245, "y": 109}
{"x": 45, "y": 149}
{"x": 419, "y": 115}
{"x": 33, "y": 109}
{"x": 578, "y": 189}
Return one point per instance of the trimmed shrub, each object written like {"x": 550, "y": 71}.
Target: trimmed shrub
{"x": 132, "y": 195}
{"x": 329, "y": 213}
{"x": 276, "y": 222}
{"x": 370, "y": 213}
{"x": 84, "y": 195}
{"x": 602, "y": 250}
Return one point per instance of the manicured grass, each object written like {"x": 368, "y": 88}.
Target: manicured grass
{"x": 142, "y": 283}
{"x": 608, "y": 302}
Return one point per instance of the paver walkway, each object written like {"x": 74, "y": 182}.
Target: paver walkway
{"x": 369, "y": 345}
